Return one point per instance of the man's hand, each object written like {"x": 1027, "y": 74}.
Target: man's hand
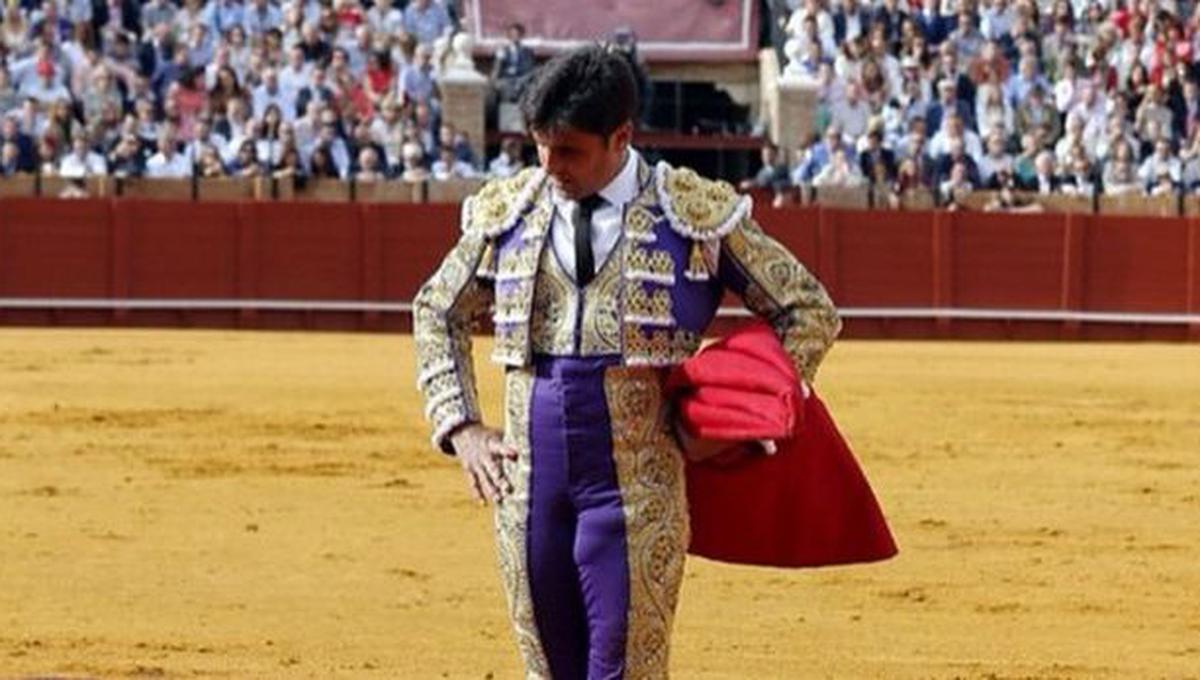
{"x": 481, "y": 450}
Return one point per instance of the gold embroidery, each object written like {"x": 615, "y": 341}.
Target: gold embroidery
{"x": 444, "y": 312}
{"x": 699, "y": 208}
{"x": 639, "y": 224}
{"x": 498, "y": 205}
{"x": 661, "y": 347}
{"x": 647, "y": 264}
{"x": 512, "y": 520}
{"x": 601, "y": 327}
{"x": 648, "y": 308}
{"x": 552, "y": 322}
{"x": 780, "y": 289}
{"x": 650, "y": 472}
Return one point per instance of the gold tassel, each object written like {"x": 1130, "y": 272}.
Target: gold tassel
{"x": 697, "y": 266}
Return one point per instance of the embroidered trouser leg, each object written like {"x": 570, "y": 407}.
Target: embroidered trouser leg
{"x": 591, "y": 543}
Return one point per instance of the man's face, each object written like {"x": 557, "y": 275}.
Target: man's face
{"x": 581, "y": 163}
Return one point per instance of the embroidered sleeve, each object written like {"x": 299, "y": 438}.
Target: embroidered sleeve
{"x": 774, "y": 285}
{"x": 444, "y": 313}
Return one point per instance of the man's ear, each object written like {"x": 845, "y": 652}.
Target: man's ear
{"x": 622, "y": 137}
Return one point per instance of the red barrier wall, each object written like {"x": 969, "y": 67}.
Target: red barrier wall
{"x": 897, "y": 274}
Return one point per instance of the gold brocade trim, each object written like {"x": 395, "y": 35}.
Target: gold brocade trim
{"x": 661, "y": 347}
{"x": 515, "y": 289}
{"x": 444, "y": 312}
{"x": 552, "y": 321}
{"x": 601, "y": 327}
{"x": 648, "y": 307}
{"x": 512, "y": 519}
{"x": 648, "y": 264}
{"x": 779, "y": 288}
{"x": 697, "y": 207}
{"x": 498, "y": 204}
{"x": 650, "y": 471}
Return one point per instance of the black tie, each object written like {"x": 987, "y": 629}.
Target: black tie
{"x": 585, "y": 262}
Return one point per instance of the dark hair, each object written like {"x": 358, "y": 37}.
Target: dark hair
{"x": 590, "y": 89}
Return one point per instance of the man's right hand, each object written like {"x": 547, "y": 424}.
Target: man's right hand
{"x": 481, "y": 451}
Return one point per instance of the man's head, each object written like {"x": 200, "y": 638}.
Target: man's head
{"x": 580, "y": 109}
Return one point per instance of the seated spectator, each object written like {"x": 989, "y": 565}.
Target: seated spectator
{"x": 290, "y": 164}
{"x": 1081, "y": 180}
{"x": 10, "y": 159}
{"x": 852, "y": 113}
{"x": 957, "y": 155}
{"x": 10, "y": 133}
{"x": 381, "y": 77}
{"x": 1045, "y": 180}
{"x": 1034, "y": 112}
{"x": 818, "y": 155}
{"x": 1120, "y": 176}
{"x": 1163, "y": 185}
{"x": 509, "y": 162}
{"x": 954, "y": 130}
{"x": 427, "y": 20}
{"x": 839, "y": 172}
{"x": 209, "y": 163}
{"x": 168, "y": 162}
{"x": 127, "y": 158}
{"x": 878, "y": 163}
{"x": 272, "y": 94}
{"x": 996, "y": 159}
{"x": 47, "y": 87}
{"x": 47, "y": 155}
{"x": 956, "y": 186}
{"x": 321, "y": 165}
{"x": 1161, "y": 162}
{"x": 369, "y": 167}
{"x": 82, "y": 161}
{"x": 511, "y": 67}
{"x": 260, "y": 17}
{"x": 245, "y": 161}
{"x": 772, "y": 175}
{"x": 448, "y": 167}
{"x": 384, "y": 19}
{"x": 413, "y": 158}
{"x": 416, "y": 83}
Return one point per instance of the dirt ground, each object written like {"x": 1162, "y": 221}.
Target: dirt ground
{"x": 211, "y": 504}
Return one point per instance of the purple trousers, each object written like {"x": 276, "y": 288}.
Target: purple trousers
{"x": 576, "y": 546}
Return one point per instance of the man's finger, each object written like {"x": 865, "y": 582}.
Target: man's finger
{"x": 473, "y": 482}
{"x": 494, "y": 478}
{"x": 498, "y": 447}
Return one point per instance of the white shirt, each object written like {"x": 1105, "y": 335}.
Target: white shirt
{"x": 175, "y": 167}
{"x": 606, "y": 220}
{"x": 73, "y": 166}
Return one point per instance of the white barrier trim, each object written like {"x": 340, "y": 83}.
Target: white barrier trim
{"x": 950, "y": 313}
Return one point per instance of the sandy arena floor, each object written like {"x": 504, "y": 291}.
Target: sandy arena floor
{"x": 209, "y": 504}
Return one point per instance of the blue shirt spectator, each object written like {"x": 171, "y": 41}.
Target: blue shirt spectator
{"x": 426, "y": 20}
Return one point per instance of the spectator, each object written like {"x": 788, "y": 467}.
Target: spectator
{"x": 426, "y": 20}
{"x": 995, "y": 160}
{"x": 878, "y": 163}
{"x": 1045, "y": 180}
{"x": 772, "y": 175}
{"x": 1161, "y": 162}
{"x": 448, "y": 166}
{"x": 209, "y": 163}
{"x": 271, "y": 94}
{"x": 290, "y": 164}
{"x": 413, "y": 159}
{"x": 246, "y": 161}
{"x": 1035, "y": 113}
{"x": 511, "y": 67}
{"x": 852, "y": 113}
{"x": 10, "y": 159}
{"x": 509, "y": 161}
{"x": 416, "y": 83}
{"x": 320, "y": 164}
{"x": 956, "y": 155}
{"x": 168, "y": 163}
{"x": 1081, "y": 180}
{"x": 261, "y": 17}
{"x": 127, "y": 158}
{"x": 818, "y": 156}
{"x": 82, "y": 161}
{"x": 839, "y": 172}
{"x": 384, "y": 19}
{"x": 956, "y": 186}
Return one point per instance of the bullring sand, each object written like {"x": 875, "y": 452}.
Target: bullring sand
{"x": 213, "y": 504}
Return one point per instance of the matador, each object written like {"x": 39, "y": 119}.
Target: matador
{"x": 600, "y": 272}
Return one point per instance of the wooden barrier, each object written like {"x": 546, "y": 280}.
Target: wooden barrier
{"x": 272, "y": 264}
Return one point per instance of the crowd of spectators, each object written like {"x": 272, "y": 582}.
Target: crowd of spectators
{"x": 211, "y": 88}
{"x": 1046, "y": 96}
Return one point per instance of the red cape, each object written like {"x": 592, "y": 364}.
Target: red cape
{"x": 808, "y": 504}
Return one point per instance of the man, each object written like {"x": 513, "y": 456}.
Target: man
{"x": 603, "y": 272}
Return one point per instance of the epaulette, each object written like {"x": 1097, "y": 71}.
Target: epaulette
{"x": 699, "y": 208}
{"x": 498, "y": 205}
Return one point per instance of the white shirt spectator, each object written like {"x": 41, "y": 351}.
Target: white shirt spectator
{"x": 426, "y": 23}
{"x": 503, "y": 166}
{"x": 280, "y": 96}
{"x": 175, "y": 167}
{"x": 72, "y": 166}
{"x": 443, "y": 171}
